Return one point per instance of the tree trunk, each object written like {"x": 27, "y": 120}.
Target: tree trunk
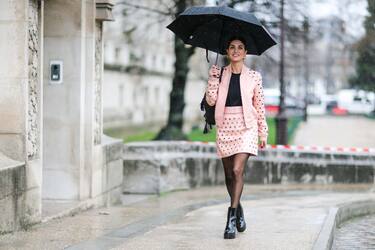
{"x": 173, "y": 129}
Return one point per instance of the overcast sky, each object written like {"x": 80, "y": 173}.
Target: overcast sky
{"x": 352, "y": 11}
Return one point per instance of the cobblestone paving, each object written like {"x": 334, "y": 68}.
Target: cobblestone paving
{"x": 354, "y": 234}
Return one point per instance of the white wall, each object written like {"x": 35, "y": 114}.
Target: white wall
{"x": 69, "y": 37}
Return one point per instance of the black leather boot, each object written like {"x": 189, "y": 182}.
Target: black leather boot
{"x": 240, "y": 222}
{"x": 230, "y": 229}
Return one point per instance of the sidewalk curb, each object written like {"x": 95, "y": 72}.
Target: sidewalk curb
{"x": 338, "y": 215}
{"x": 79, "y": 207}
{"x": 100, "y": 201}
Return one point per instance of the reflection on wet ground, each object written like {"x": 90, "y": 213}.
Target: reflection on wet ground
{"x": 358, "y": 233}
{"x": 175, "y": 220}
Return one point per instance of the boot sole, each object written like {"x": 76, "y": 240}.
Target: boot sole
{"x": 229, "y": 236}
{"x": 241, "y": 230}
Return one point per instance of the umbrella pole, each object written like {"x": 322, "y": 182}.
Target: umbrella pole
{"x": 220, "y": 39}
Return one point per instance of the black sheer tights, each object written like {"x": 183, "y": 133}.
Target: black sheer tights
{"x": 234, "y": 169}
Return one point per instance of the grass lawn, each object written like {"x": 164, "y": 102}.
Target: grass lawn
{"x": 197, "y": 134}
{"x": 144, "y": 136}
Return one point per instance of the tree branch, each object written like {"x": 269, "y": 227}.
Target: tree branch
{"x": 136, "y": 6}
{"x": 171, "y": 9}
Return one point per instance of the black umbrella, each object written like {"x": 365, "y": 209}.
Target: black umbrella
{"x": 211, "y": 28}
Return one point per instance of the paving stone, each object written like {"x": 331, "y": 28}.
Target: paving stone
{"x": 290, "y": 215}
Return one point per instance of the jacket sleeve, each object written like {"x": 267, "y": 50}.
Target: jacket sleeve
{"x": 258, "y": 103}
{"x": 212, "y": 90}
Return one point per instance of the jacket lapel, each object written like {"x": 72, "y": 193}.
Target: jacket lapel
{"x": 246, "y": 82}
{"x": 222, "y": 95}
{"x": 224, "y": 85}
{"x": 246, "y": 86}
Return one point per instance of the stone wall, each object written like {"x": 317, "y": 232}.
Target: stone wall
{"x": 107, "y": 172}
{"x": 51, "y": 134}
{"x": 98, "y": 99}
{"x": 15, "y": 210}
{"x": 156, "y": 167}
{"x": 12, "y": 198}
{"x": 20, "y": 113}
{"x": 33, "y": 114}
{"x": 14, "y": 24}
{"x": 72, "y": 121}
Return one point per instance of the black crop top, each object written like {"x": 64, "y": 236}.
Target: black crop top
{"x": 234, "y": 91}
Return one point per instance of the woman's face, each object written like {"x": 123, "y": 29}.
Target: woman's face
{"x": 236, "y": 51}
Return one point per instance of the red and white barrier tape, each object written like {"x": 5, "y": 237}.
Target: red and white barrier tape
{"x": 313, "y": 148}
{"x": 323, "y": 148}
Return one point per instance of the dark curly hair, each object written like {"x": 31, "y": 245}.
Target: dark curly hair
{"x": 240, "y": 38}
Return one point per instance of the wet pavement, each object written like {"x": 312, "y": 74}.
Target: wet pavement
{"x": 347, "y": 131}
{"x": 358, "y": 233}
{"x": 278, "y": 217}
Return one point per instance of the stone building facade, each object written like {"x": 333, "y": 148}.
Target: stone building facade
{"x": 139, "y": 66}
{"x": 51, "y": 143}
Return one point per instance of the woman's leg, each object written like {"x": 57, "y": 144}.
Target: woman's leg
{"x": 230, "y": 228}
{"x": 240, "y": 160}
{"x": 228, "y": 170}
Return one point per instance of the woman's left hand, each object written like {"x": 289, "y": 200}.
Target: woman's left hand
{"x": 263, "y": 143}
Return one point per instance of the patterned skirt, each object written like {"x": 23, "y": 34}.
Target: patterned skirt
{"x": 233, "y": 137}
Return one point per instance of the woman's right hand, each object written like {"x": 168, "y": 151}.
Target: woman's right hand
{"x": 214, "y": 71}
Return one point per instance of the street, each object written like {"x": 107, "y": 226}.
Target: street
{"x": 278, "y": 217}
{"x": 335, "y": 131}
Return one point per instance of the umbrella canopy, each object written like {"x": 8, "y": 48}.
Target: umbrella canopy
{"x": 211, "y": 28}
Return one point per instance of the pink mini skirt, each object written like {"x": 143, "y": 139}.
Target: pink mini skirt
{"x": 233, "y": 137}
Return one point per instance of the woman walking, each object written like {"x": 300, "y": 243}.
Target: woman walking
{"x": 240, "y": 120}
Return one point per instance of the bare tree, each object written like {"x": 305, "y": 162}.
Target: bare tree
{"x": 173, "y": 129}
{"x": 269, "y": 16}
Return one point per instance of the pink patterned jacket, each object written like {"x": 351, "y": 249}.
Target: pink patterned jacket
{"x": 251, "y": 94}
